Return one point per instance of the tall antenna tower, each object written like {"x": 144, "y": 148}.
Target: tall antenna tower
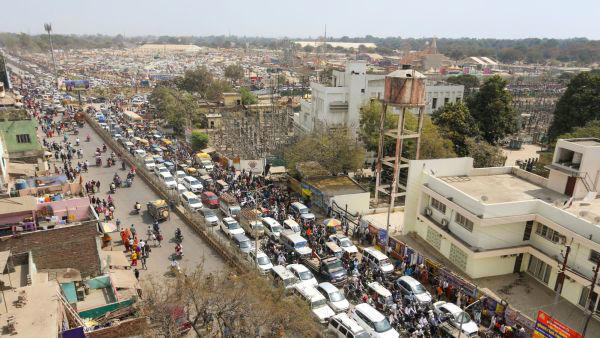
{"x": 48, "y": 29}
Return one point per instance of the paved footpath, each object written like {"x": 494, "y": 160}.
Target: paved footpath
{"x": 195, "y": 249}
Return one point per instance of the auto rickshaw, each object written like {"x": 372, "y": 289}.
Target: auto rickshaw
{"x": 159, "y": 210}
{"x": 382, "y": 297}
{"x": 191, "y": 171}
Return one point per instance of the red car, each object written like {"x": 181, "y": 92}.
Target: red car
{"x": 210, "y": 200}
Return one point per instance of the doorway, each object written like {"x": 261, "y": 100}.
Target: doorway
{"x": 571, "y": 180}
{"x": 518, "y": 261}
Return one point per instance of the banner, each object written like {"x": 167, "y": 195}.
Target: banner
{"x": 71, "y": 85}
{"x": 548, "y": 327}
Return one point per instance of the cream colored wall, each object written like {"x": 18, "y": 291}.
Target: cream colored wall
{"x": 492, "y": 266}
{"x": 557, "y": 181}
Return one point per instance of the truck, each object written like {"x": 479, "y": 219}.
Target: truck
{"x": 229, "y": 206}
{"x": 331, "y": 268}
{"x": 250, "y": 222}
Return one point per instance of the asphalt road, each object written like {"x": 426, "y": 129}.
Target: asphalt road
{"x": 196, "y": 251}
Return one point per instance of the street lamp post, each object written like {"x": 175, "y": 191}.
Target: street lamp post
{"x": 48, "y": 29}
{"x": 463, "y": 315}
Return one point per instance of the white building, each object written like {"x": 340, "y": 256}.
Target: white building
{"x": 495, "y": 221}
{"x": 339, "y": 105}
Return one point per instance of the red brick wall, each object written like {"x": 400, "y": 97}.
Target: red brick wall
{"x": 70, "y": 247}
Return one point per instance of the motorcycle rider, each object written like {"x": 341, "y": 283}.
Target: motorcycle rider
{"x": 179, "y": 250}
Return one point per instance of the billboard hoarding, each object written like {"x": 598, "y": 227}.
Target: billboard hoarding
{"x": 71, "y": 85}
{"x": 548, "y": 327}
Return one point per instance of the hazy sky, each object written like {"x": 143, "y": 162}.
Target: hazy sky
{"x": 304, "y": 18}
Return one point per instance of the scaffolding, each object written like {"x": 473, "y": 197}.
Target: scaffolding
{"x": 404, "y": 93}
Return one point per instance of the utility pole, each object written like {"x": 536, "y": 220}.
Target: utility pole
{"x": 48, "y": 29}
{"x": 587, "y": 321}
{"x": 560, "y": 279}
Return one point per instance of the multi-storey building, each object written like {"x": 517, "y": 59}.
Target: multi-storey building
{"x": 339, "y": 105}
{"x": 495, "y": 221}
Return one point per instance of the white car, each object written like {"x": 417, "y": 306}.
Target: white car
{"x": 373, "y": 321}
{"x": 168, "y": 179}
{"x": 316, "y": 301}
{"x": 335, "y": 298}
{"x": 181, "y": 188}
{"x": 231, "y": 227}
{"x": 272, "y": 227}
{"x": 410, "y": 286}
{"x": 303, "y": 274}
{"x": 192, "y": 184}
{"x": 149, "y": 163}
{"x": 179, "y": 175}
{"x": 457, "y": 317}
{"x": 160, "y": 169}
{"x": 190, "y": 200}
{"x": 345, "y": 243}
{"x": 262, "y": 261}
{"x": 210, "y": 217}
{"x": 207, "y": 164}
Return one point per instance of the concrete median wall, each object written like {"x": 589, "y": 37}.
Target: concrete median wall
{"x": 221, "y": 246}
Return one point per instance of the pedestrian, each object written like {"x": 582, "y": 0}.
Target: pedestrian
{"x": 143, "y": 260}
{"x": 134, "y": 258}
{"x": 118, "y": 223}
{"x": 137, "y": 273}
{"x": 159, "y": 238}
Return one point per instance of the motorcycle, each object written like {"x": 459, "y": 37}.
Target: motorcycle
{"x": 178, "y": 251}
{"x": 104, "y": 148}
{"x": 136, "y": 208}
{"x": 178, "y": 236}
{"x": 123, "y": 165}
{"x": 77, "y": 142}
{"x": 128, "y": 183}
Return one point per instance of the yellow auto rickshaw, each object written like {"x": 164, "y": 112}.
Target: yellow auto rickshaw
{"x": 191, "y": 171}
{"x": 382, "y": 297}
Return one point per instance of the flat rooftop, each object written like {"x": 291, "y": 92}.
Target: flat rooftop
{"x": 590, "y": 142}
{"x": 502, "y": 188}
{"x": 39, "y": 316}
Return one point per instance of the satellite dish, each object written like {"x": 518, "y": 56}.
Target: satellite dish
{"x": 484, "y": 198}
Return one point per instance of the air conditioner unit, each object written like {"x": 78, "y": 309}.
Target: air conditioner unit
{"x": 428, "y": 211}
{"x": 445, "y": 222}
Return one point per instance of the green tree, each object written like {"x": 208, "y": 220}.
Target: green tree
{"x": 370, "y": 122}
{"x": 456, "y": 123}
{"x": 335, "y": 151}
{"x": 197, "y": 81}
{"x": 216, "y": 89}
{"x": 470, "y": 82}
{"x": 247, "y": 97}
{"x": 492, "y": 109}
{"x": 199, "y": 140}
{"x": 591, "y": 129}
{"x": 433, "y": 143}
{"x": 234, "y": 72}
{"x": 578, "y": 105}
{"x": 308, "y": 48}
{"x": 485, "y": 154}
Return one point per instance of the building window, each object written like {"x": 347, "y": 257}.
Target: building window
{"x": 464, "y": 222}
{"x": 549, "y": 234}
{"x": 23, "y": 138}
{"x": 458, "y": 257}
{"x": 539, "y": 269}
{"x": 437, "y": 205}
{"x": 594, "y": 256}
{"x": 434, "y": 103}
{"x": 458, "y": 99}
{"x": 446, "y": 100}
{"x": 434, "y": 238}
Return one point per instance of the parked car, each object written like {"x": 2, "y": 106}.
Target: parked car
{"x": 231, "y": 227}
{"x": 243, "y": 243}
{"x": 303, "y": 274}
{"x": 373, "y": 321}
{"x": 345, "y": 243}
{"x": 191, "y": 201}
{"x": 210, "y": 200}
{"x": 192, "y": 184}
{"x": 210, "y": 217}
{"x": 335, "y": 298}
{"x": 261, "y": 261}
{"x": 457, "y": 317}
{"x": 410, "y": 286}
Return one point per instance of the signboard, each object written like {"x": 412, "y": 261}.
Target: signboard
{"x": 71, "y": 85}
{"x": 548, "y": 327}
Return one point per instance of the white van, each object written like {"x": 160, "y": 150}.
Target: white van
{"x": 303, "y": 211}
{"x": 191, "y": 201}
{"x": 192, "y": 184}
{"x": 272, "y": 227}
{"x": 290, "y": 224}
{"x": 373, "y": 321}
{"x": 316, "y": 301}
{"x": 295, "y": 242}
{"x": 283, "y": 277}
{"x": 343, "y": 326}
{"x": 377, "y": 260}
